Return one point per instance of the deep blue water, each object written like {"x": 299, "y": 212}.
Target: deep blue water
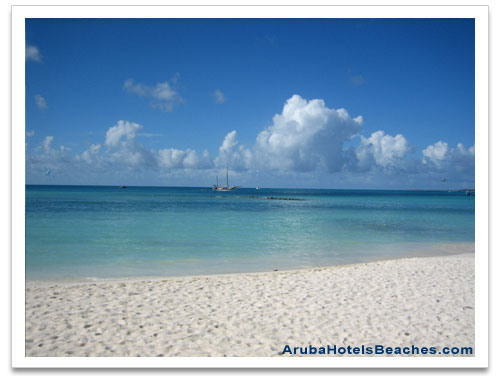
{"x": 90, "y": 231}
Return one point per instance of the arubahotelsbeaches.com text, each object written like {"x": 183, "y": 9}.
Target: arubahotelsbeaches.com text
{"x": 375, "y": 350}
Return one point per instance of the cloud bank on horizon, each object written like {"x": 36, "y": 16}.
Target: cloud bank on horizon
{"x": 305, "y": 139}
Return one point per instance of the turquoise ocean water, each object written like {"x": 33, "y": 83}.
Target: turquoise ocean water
{"x": 97, "y": 232}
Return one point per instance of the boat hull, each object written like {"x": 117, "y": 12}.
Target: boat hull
{"x": 223, "y": 189}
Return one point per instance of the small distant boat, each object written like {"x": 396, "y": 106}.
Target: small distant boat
{"x": 224, "y": 188}
{"x": 257, "y": 188}
{"x": 123, "y": 186}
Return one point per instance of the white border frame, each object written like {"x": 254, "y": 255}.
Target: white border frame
{"x": 20, "y": 13}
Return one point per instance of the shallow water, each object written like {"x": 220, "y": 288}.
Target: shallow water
{"x": 89, "y": 231}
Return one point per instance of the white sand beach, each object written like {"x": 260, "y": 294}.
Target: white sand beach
{"x": 426, "y": 301}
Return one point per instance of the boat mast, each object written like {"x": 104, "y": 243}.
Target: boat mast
{"x": 227, "y": 175}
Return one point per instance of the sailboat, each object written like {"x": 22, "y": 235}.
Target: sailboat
{"x": 224, "y": 188}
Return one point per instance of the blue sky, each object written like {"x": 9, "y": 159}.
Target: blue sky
{"x": 326, "y": 103}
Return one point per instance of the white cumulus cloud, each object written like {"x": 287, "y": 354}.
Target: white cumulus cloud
{"x": 123, "y": 151}
{"x": 122, "y": 130}
{"x": 40, "y": 101}
{"x": 305, "y": 141}
{"x": 46, "y": 157}
{"x": 47, "y": 143}
{"x": 232, "y": 152}
{"x": 164, "y": 95}
{"x": 91, "y": 153}
{"x": 307, "y": 135}
{"x": 219, "y": 97}
{"x": 32, "y": 53}
{"x": 435, "y": 153}
{"x": 441, "y": 156}
{"x": 382, "y": 150}
{"x": 176, "y": 159}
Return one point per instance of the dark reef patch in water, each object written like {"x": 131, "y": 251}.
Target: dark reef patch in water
{"x": 277, "y": 198}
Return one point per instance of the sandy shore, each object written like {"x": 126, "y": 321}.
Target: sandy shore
{"x": 417, "y": 301}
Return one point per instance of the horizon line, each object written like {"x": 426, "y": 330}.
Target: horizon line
{"x": 179, "y": 186}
